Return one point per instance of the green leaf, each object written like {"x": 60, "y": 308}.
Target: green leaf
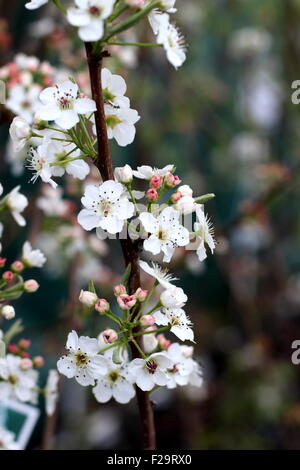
{"x": 92, "y": 287}
{"x": 126, "y": 276}
{"x": 2, "y": 348}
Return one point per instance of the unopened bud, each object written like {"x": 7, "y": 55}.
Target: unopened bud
{"x": 8, "y": 276}
{"x": 17, "y": 266}
{"x": 38, "y": 361}
{"x": 141, "y": 294}
{"x": 31, "y": 285}
{"x": 120, "y": 289}
{"x": 109, "y": 335}
{"x": 147, "y": 320}
{"x": 88, "y": 298}
{"x": 152, "y": 195}
{"x": 102, "y": 306}
{"x": 8, "y": 312}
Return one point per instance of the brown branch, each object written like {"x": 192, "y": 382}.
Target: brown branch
{"x": 130, "y": 248}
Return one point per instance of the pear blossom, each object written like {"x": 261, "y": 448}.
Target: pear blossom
{"x": 113, "y": 89}
{"x": 173, "y": 42}
{"x": 158, "y": 20}
{"x": 146, "y": 172}
{"x": 185, "y": 204}
{"x": 204, "y": 233}
{"x": 123, "y": 174}
{"x": 88, "y": 298}
{"x": 149, "y": 341}
{"x": 24, "y": 101}
{"x": 89, "y": 16}
{"x": 15, "y": 382}
{"x": 182, "y": 367}
{"x": 151, "y": 371}
{"x": 196, "y": 375}
{"x": 51, "y": 392}
{"x": 20, "y": 133}
{"x": 177, "y": 318}
{"x": 114, "y": 384}
{"x": 173, "y": 297}
{"x": 160, "y": 274}
{"x": 40, "y": 160}
{"x": 166, "y": 233}
{"x": 82, "y": 361}
{"x": 51, "y": 202}
{"x": 106, "y": 206}
{"x": 32, "y": 258}
{"x": 64, "y": 158}
{"x": 62, "y": 105}
{"x": 16, "y": 203}
{"x": 34, "y": 4}
{"x": 7, "y": 440}
{"x": 120, "y": 124}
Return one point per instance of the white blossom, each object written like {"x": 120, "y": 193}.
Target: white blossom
{"x": 17, "y": 383}
{"x": 113, "y": 88}
{"x": 173, "y": 42}
{"x": 166, "y": 233}
{"x": 182, "y": 366}
{"x": 51, "y": 392}
{"x": 89, "y": 16}
{"x": 173, "y": 297}
{"x": 146, "y": 172}
{"x": 40, "y": 160}
{"x": 62, "y": 105}
{"x": 20, "y": 133}
{"x": 151, "y": 371}
{"x": 51, "y": 202}
{"x": 32, "y": 258}
{"x": 23, "y": 101}
{"x": 123, "y": 174}
{"x": 82, "y": 361}
{"x": 106, "y": 206}
{"x": 160, "y": 274}
{"x": 120, "y": 124}
{"x": 114, "y": 384}
{"x": 16, "y": 203}
{"x": 204, "y": 231}
{"x": 63, "y": 160}
{"x": 179, "y": 321}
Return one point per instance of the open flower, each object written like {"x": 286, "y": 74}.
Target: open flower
{"x": 173, "y": 42}
{"x": 114, "y": 384}
{"x": 16, "y": 382}
{"x": 173, "y": 297}
{"x": 39, "y": 161}
{"x": 151, "y": 371}
{"x": 89, "y": 16}
{"x": 113, "y": 88}
{"x": 16, "y": 203}
{"x": 204, "y": 231}
{"x": 182, "y": 367}
{"x": 106, "y": 206}
{"x": 62, "y": 105}
{"x": 146, "y": 172}
{"x": 65, "y": 160}
{"x": 120, "y": 124}
{"x": 166, "y": 233}
{"x": 83, "y": 361}
{"x": 32, "y": 258}
{"x": 179, "y": 321}
{"x": 24, "y": 101}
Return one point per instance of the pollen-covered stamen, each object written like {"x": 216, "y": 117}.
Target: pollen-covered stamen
{"x": 151, "y": 366}
{"x": 26, "y": 104}
{"x": 113, "y": 375}
{"x": 174, "y": 369}
{"x": 95, "y": 11}
{"x": 81, "y": 359}
{"x": 13, "y": 379}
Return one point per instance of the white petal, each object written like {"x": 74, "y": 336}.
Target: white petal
{"x": 123, "y": 391}
{"x": 78, "y": 17}
{"x": 84, "y": 378}
{"x": 88, "y": 345}
{"x": 84, "y": 106}
{"x": 102, "y": 391}
{"x": 72, "y": 341}
{"x": 78, "y": 169}
{"x": 66, "y": 366}
{"x": 145, "y": 381}
{"x": 149, "y": 222}
{"x": 88, "y": 220}
{"x": 92, "y": 32}
{"x": 67, "y": 119}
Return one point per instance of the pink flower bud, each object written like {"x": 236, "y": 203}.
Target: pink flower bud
{"x": 156, "y": 182}
{"x": 141, "y": 294}
{"x": 176, "y": 196}
{"x": 102, "y": 306}
{"x": 12, "y": 348}
{"x": 171, "y": 180}
{"x": 109, "y": 335}
{"x": 177, "y": 180}
{"x": 26, "y": 364}
{"x": 163, "y": 342}
{"x": 119, "y": 290}
{"x": 147, "y": 320}
{"x": 2, "y": 262}
{"x": 8, "y": 312}
{"x": 8, "y": 276}
{"x": 25, "y": 354}
{"x": 126, "y": 302}
{"x": 24, "y": 343}
{"x": 38, "y": 361}
{"x": 152, "y": 195}
{"x": 17, "y": 266}
{"x": 31, "y": 285}
{"x": 88, "y": 298}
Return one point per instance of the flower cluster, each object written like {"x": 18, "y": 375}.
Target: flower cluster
{"x": 105, "y": 364}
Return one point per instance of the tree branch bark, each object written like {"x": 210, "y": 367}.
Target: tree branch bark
{"x": 130, "y": 248}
